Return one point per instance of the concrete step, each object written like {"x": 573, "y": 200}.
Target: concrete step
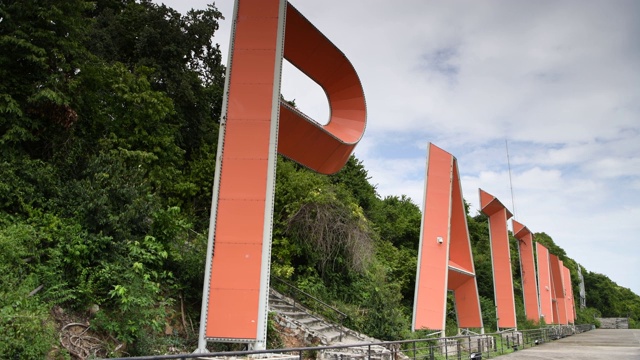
{"x": 301, "y": 321}
{"x": 363, "y": 352}
{"x": 279, "y": 302}
{"x": 309, "y": 322}
{"x": 337, "y": 355}
{"x": 613, "y": 323}
{"x": 322, "y": 326}
{"x": 295, "y": 314}
{"x": 332, "y": 336}
{"x": 349, "y": 339}
{"x": 281, "y": 307}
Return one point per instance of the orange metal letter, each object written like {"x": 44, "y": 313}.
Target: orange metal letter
{"x": 544, "y": 284}
{"x": 445, "y": 261}
{"x": 570, "y": 305}
{"x": 557, "y": 280}
{"x": 323, "y": 148}
{"x": 500, "y": 259}
{"x": 254, "y": 127}
{"x": 240, "y": 215}
{"x": 528, "y": 271}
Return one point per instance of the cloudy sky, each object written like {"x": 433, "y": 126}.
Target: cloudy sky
{"x": 556, "y": 81}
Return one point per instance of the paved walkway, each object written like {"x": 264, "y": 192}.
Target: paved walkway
{"x": 600, "y": 344}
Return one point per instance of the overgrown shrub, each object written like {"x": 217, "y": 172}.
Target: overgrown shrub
{"x": 26, "y": 329}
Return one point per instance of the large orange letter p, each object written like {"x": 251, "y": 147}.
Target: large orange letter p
{"x": 254, "y": 127}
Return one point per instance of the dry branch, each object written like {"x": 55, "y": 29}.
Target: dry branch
{"x": 333, "y": 230}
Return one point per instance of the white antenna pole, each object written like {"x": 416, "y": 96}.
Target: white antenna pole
{"x": 513, "y": 204}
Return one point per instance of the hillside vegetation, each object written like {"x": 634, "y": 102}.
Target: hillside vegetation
{"x": 108, "y": 128}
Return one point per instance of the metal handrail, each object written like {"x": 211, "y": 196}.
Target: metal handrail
{"x": 310, "y": 296}
{"x": 415, "y": 348}
{"x": 342, "y": 316}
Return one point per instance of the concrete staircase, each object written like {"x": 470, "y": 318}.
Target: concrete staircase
{"x": 321, "y": 332}
{"x": 614, "y": 323}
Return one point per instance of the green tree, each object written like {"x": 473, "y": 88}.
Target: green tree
{"x": 40, "y": 57}
{"x": 398, "y": 220}
{"x": 186, "y": 63}
{"x": 183, "y": 63}
{"x": 548, "y": 242}
{"x": 108, "y": 155}
{"x": 481, "y": 249}
{"x": 355, "y": 177}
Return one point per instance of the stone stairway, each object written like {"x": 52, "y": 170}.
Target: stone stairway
{"x": 614, "y": 323}
{"x": 318, "y": 331}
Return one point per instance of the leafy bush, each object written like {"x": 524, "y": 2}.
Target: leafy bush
{"x": 26, "y": 329}
{"x": 135, "y": 304}
{"x": 588, "y": 316}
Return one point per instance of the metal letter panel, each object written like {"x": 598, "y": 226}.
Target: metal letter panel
{"x": 467, "y": 303}
{"x": 500, "y": 259}
{"x": 557, "y": 280}
{"x": 323, "y": 148}
{"x": 429, "y": 307}
{"x": 568, "y": 290}
{"x": 252, "y": 131}
{"x": 461, "y": 259}
{"x": 544, "y": 284}
{"x": 528, "y": 271}
{"x": 444, "y": 259}
{"x": 237, "y": 288}
{"x": 573, "y": 300}
{"x": 554, "y": 298}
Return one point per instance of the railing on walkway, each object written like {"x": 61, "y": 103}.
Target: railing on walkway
{"x": 329, "y": 312}
{"x": 474, "y": 347}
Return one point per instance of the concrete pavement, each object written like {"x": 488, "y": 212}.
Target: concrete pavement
{"x": 599, "y": 344}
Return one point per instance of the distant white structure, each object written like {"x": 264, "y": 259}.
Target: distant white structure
{"x": 583, "y": 293}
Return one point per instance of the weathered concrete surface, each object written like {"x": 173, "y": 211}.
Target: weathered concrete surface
{"x": 596, "y": 344}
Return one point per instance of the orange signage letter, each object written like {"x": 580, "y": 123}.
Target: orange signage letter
{"x": 500, "y": 259}
{"x": 569, "y": 296}
{"x": 445, "y": 261}
{"x": 254, "y": 127}
{"x": 544, "y": 284}
{"x": 557, "y": 280}
{"x": 528, "y": 271}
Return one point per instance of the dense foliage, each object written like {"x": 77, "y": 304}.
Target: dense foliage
{"x": 108, "y": 131}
